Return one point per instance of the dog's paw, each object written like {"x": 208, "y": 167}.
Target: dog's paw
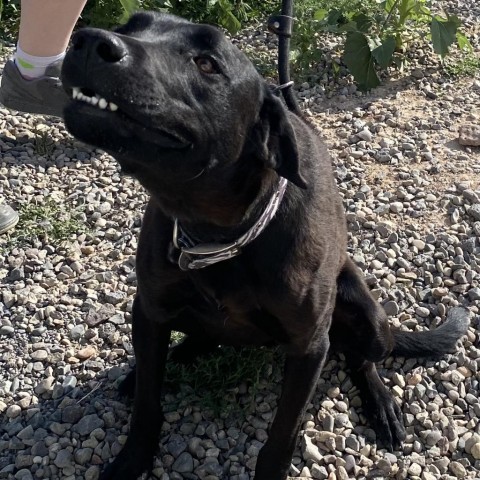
{"x": 386, "y": 418}
{"x": 127, "y": 386}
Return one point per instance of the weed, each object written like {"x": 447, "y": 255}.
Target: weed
{"x": 213, "y": 381}
{"x": 229, "y": 14}
{"x": 43, "y": 142}
{"x": 467, "y": 66}
{"x": 49, "y": 222}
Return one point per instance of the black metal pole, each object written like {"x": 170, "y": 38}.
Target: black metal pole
{"x": 284, "y": 61}
{"x": 282, "y": 25}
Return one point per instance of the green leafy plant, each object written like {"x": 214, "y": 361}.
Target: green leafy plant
{"x": 104, "y": 13}
{"x": 377, "y": 35}
{"x": 129, "y": 7}
{"x": 226, "y": 13}
{"x": 229, "y": 14}
{"x": 9, "y": 19}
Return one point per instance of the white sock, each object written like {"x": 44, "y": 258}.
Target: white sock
{"x": 31, "y": 66}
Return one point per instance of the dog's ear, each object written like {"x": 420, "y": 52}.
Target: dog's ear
{"x": 279, "y": 140}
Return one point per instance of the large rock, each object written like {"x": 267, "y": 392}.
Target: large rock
{"x": 469, "y": 135}
{"x": 183, "y": 464}
{"x": 88, "y": 424}
{"x": 310, "y": 451}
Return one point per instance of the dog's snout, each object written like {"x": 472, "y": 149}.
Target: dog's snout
{"x": 106, "y": 46}
{"x": 111, "y": 49}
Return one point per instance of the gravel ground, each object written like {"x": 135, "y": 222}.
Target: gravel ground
{"x": 412, "y": 197}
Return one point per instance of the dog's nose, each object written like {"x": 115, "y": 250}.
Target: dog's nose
{"x": 106, "y": 46}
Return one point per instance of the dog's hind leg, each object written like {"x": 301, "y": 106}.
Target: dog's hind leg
{"x": 378, "y": 404}
{"x": 369, "y": 333}
{"x": 359, "y": 322}
{"x": 150, "y": 341}
{"x": 360, "y": 330}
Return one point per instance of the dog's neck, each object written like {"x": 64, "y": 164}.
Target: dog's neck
{"x": 192, "y": 255}
{"x": 211, "y": 232}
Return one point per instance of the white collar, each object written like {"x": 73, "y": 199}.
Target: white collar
{"x": 202, "y": 255}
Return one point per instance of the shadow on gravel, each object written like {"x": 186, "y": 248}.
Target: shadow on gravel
{"x": 81, "y": 425}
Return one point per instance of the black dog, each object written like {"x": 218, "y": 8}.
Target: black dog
{"x": 185, "y": 112}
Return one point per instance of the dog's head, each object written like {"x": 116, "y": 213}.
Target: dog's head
{"x": 176, "y": 103}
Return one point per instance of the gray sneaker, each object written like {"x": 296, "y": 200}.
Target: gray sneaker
{"x": 43, "y": 95}
{"x": 8, "y": 218}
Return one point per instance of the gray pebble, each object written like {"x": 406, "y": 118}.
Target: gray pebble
{"x": 391, "y": 308}
{"x": 88, "y": 423}
{"x": 63, "y": 458}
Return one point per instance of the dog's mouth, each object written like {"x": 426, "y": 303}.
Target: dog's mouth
{"x": 89, "y": 96}
{"x": 129, "y": 122}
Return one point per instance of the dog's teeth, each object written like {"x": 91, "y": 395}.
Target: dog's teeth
{"x": 94, "y": 100}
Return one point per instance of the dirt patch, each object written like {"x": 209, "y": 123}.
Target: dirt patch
{"x": 403, "y": 116}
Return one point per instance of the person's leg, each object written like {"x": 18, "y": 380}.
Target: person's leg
{"x": 45, "y": 29}
{"x": 30, "y": 82}
{"x": 46, "y": 26}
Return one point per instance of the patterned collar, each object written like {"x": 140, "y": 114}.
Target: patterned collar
{"x": 202, "y": 255}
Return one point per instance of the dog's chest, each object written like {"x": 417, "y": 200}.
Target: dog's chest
{"x": 236, "y": 298}
{"x": 243, "y": 317}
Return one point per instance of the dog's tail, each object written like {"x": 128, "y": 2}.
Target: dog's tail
{"x": 433, "y": 343}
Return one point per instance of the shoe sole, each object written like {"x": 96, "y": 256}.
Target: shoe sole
{"x": 28, "y": 107}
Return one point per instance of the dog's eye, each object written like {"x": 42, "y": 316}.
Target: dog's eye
{"x": 205, "y": 65}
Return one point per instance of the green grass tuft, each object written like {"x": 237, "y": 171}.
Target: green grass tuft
{"x": 467, "y": 66}
{"x": 214, "y": 381}
{"x": 49, "y": 222}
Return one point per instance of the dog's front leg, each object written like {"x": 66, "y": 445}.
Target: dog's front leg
{"x": 301, "y": 376}
{"x": 150, "y": 342}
